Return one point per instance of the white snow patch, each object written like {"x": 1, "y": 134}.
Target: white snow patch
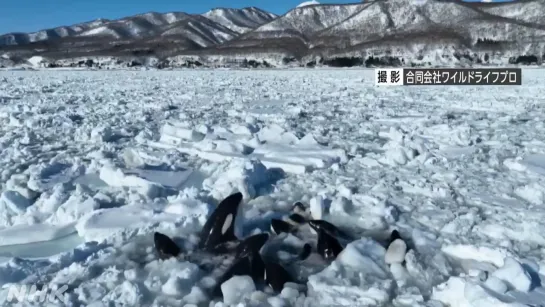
{"x": 36, "y": 61}
{"x": 477, "y": 253}
{"x": 396, "y": 252}
{"x": 106, "y": 223}
{"x": 25, "y": 234}
{"x": 236, "y": 288}
{"x": 357, "y": 277}
{"x": 514, "y": 275}
{"x": 307, "y": 3}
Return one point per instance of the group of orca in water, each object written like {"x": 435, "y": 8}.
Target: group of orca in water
{"x": 218, "y": 237}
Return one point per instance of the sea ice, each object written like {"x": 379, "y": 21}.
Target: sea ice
{"x": 92, "y": 163}
{"x": 236, "y": 288}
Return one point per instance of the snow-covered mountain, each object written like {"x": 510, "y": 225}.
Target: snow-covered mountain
{"x": 213, "y": 27}
{"x": 389, "y": 32}
{"x": 403, "y": 28}
{"x": 240, "y": 21}
{"x": 59, "y": 32}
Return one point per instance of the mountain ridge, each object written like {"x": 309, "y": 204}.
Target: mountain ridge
{"x": 22, "y": 38}
{"x": 385, "y": 32}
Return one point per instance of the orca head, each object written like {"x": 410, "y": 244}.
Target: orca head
{"x": 299, "y": 208}
{"x": 276, "y": 276}
{"x": 220, "y": 226}
{"x": 328, "y": 246}
{"x": 297, "y": 219}
{"x": 394, "y": 236}
{"x": 326, "y": 226}
{"x": 318, "y": 225}
{"x": 164, "y": 246}
{"x": 251, "y": 245}
{"x": 279, "y": 226}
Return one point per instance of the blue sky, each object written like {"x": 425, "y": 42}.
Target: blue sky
{"x": 34, "y": 15}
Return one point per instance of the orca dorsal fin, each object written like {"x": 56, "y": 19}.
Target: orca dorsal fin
{"x": 220, "y": 226}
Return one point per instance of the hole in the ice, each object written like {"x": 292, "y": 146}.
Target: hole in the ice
{"x": 171, "y": 107}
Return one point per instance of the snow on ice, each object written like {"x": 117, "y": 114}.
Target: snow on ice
{"x": 307, "y": 3}
{"x": 93, "y": 163}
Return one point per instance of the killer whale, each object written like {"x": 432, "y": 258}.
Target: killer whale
{"x": 287, "y": 224}
{"x": 396, "y": 249}
{"x": 280, "y": 226}
{"x": 276, "y": 276}
{"x": 297, "y": 219}
{"x": 248, "y": 261}
{"x": 217, "y": 234}
{"x": 250, "y": 248}
{"x": 329, "y": 228}
{"x": 299, "y": 208}
{"x": 165, "y": 246}
{"x": 328, "y": 246}
{"x": 251, "y": 244}
{"x": 273, "y": 274}
{"x": 220, "y": 226}
{"x": 394, "y": 236}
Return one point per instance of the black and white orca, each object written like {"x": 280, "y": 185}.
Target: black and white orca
{"x": 218, "y": 236}
{"x": 328, "y": 246}
{"x": 248, "y": 261}
{"x": 276, "y": 276}
{"x": 164, "y": 246}
{"x": 394, "y": 236}
{"x": 300, "y": 209}
{"x": 296, "y": 219}
{"x": 396, "y": 250}
{"x": 326, "y": 226}
{"x": 280, "y": 226}
{"x": 288, "y": 224}
{"x": 220, "y": 226}
{"x": 251, "y": 244}
{"x": 250, "y": 248}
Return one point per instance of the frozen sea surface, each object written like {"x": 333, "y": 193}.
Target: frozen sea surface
{"x": 92, "y": 163}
